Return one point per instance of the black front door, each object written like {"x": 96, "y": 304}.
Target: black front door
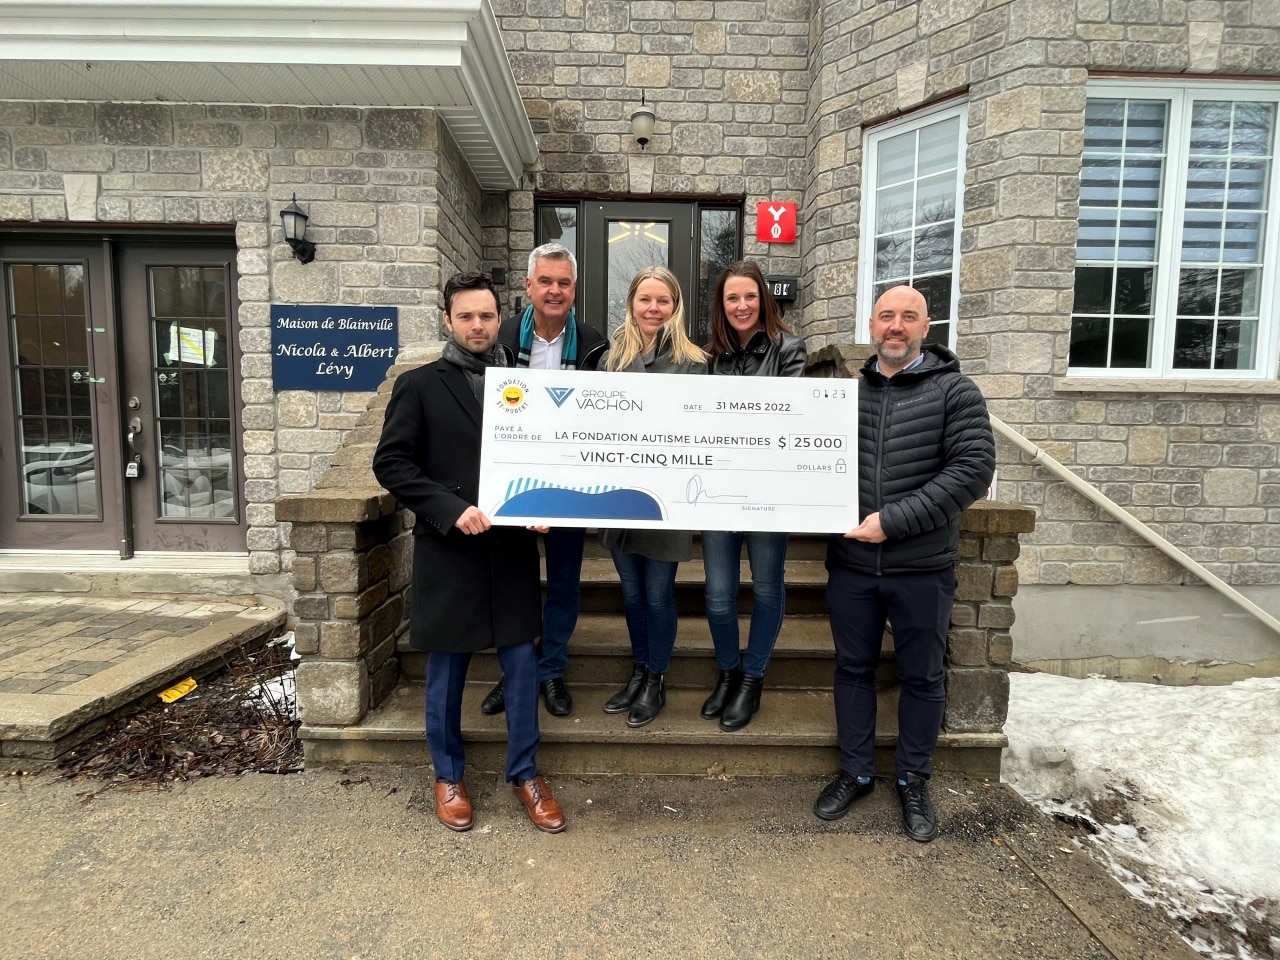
{"x": 619, "y": 240}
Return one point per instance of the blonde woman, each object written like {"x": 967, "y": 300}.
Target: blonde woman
{"x": 651, "y": 339}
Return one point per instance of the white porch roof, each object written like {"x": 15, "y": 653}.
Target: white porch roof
{"x": 444, "y": 54}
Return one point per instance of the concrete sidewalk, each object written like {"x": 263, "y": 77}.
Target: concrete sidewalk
{"x": 347, "y": 864}
{"x": 68, "y": 663}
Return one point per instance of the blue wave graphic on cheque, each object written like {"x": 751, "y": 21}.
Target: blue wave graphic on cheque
{"x": 528, "y": 497}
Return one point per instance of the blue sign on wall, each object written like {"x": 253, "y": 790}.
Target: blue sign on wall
{"x": 332, "y": 347}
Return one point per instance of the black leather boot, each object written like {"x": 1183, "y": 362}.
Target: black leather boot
{"x": 724, "y": 688}
{"x": 651, "y": 699}
{"x": 743, "y": 704}
{"x": 495, "y": 702}
{"x": 621, "y": 701}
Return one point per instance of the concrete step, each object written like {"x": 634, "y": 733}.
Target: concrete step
{"x": 805, "y": 582}
{"x": 793, "y": 734}
{"x": 600, "y": 652}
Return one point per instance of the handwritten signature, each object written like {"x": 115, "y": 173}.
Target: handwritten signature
{"x": 694, "y": 491}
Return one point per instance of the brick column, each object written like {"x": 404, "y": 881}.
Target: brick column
{"x": 979, "y": 646}
{"x": 350, "y": 603}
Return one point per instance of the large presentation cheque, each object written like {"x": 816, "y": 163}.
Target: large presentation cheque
{"x": 564, "y": 448}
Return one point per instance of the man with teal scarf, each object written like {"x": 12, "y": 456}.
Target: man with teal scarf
{"x": 549, "y": 336}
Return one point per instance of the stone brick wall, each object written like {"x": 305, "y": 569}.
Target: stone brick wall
{"x": 728, "y": 80}
{"x": 458, "y": 215}
{"x": 754, "y": 99}
{"x": 392, "y": 205}
{"x": 772, "y": 100}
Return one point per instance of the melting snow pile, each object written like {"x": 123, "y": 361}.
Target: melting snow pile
{"x": 1181, "y": 785}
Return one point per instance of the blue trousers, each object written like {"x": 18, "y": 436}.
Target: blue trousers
{"x": 446, "y": 680}
{"x": 649, "y": 603}
{"x": 722, "y": 558}
{"x": 918, "y": 605}
{"x": 563, "y": 547}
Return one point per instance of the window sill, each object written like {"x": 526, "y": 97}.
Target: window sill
{"x": 1163, "y": 385}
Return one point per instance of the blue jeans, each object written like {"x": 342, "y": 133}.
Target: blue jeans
{"x": 446, "y": 680}
{"x": 919, "y": 607}
{"x": 649, "y": 601}
{"x": 563, "y": 546}
{"x": 722, "y": 558}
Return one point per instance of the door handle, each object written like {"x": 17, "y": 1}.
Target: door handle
{"x": 135, "y": 431}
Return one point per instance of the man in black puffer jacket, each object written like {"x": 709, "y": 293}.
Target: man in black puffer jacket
{"x": 925, "y": 453}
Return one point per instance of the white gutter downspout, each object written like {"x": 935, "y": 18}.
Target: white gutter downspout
{"x": 1133, "y": 523}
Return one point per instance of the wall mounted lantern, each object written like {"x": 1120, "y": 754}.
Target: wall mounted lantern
{"x": 642, "y": 123}
{"x": 294, "y": 222}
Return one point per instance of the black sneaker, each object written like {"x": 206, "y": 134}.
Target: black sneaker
{"x": 840, "y": 794}
{"x": 556, "y": 696}
{"x": 918, "y": 816}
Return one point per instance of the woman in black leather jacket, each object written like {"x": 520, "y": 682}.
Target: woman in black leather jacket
{"x": 748, "y": 338}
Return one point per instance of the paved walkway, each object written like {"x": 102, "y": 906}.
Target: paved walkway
{"x": 341, "y": 865}
{"x": 68, "y": 662}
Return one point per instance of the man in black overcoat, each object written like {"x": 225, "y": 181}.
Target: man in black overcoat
{"x": 474, "y": 585}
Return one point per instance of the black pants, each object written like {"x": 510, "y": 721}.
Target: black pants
{"x": 918, "y": 605}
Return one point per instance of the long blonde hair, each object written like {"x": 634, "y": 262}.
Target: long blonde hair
{"x": 626, "y": 343}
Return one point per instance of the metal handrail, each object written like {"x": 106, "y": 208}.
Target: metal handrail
{"x": 1094, "y": 495}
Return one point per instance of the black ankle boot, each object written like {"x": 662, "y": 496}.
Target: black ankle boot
{"x": 621, "y": 701}
{"x": 725, "y": 686}
{"x": 743, "y": 704}
{"x": 651, "y": 699}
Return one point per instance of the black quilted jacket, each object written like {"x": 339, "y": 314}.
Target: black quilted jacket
{"x": 925, "y": 453}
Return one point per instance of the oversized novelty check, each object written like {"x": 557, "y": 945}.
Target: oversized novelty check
{"x": 564, "y": 448}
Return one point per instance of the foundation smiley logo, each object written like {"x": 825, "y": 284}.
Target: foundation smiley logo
{"x": 512, "y": 394}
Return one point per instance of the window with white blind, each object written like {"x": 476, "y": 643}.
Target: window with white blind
{"x": 1176, "y": 259}
{"x": 913, "y": 184}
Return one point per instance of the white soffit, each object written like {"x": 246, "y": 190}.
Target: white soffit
{"x": 444, "y": 54}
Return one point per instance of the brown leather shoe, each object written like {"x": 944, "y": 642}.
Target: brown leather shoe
{"x": 453, "y": 806}
{"x": 543, "y": 808}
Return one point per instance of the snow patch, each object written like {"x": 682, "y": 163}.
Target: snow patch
{"x": 1180, "y": 785}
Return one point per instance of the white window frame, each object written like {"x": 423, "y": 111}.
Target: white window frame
{"x": 870, "y": 174}
{"x": 1179, "y": 96}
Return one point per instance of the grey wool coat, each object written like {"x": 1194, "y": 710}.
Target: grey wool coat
{"x": 469, "y": 591}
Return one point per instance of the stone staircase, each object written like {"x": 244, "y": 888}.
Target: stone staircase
{"x": 360, "y": 688}
{"x": 794, "y": 732}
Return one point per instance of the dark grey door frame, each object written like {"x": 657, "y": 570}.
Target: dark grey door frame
{"x": 593, "y": 277}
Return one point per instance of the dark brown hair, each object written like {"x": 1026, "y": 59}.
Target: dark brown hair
{"x": 468, "y": 281}
{"x": 723, "y": 337}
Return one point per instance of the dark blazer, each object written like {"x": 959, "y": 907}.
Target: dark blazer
{"x": 591, "y": 344}
{"x": 469, "y": 592}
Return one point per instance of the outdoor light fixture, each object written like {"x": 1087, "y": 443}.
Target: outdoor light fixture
{"x": 642, "y": 123}
{"x": 294, "y": 222}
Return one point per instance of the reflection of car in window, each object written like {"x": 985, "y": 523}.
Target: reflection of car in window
{"x": 196, "y": 483}
{"x": 60, "y": 479}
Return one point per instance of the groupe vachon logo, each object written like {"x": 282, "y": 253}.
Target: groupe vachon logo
{"x": 559, "y": 394}
{"x": 513, "y": 395}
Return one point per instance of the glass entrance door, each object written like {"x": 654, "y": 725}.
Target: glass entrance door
{"x": 58, "y": 426}
{"x": 176, "y": 306}
{"x": 621, "y": 239}
{"x": 614, "y": 239}
{"x": 118, "y": 414}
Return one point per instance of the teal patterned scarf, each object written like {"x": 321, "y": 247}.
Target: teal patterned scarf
{"x": 568, "y": 350}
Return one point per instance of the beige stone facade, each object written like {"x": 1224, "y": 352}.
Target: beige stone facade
{"x": 393, "y": 208}
{"x": 755, "y": 100}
